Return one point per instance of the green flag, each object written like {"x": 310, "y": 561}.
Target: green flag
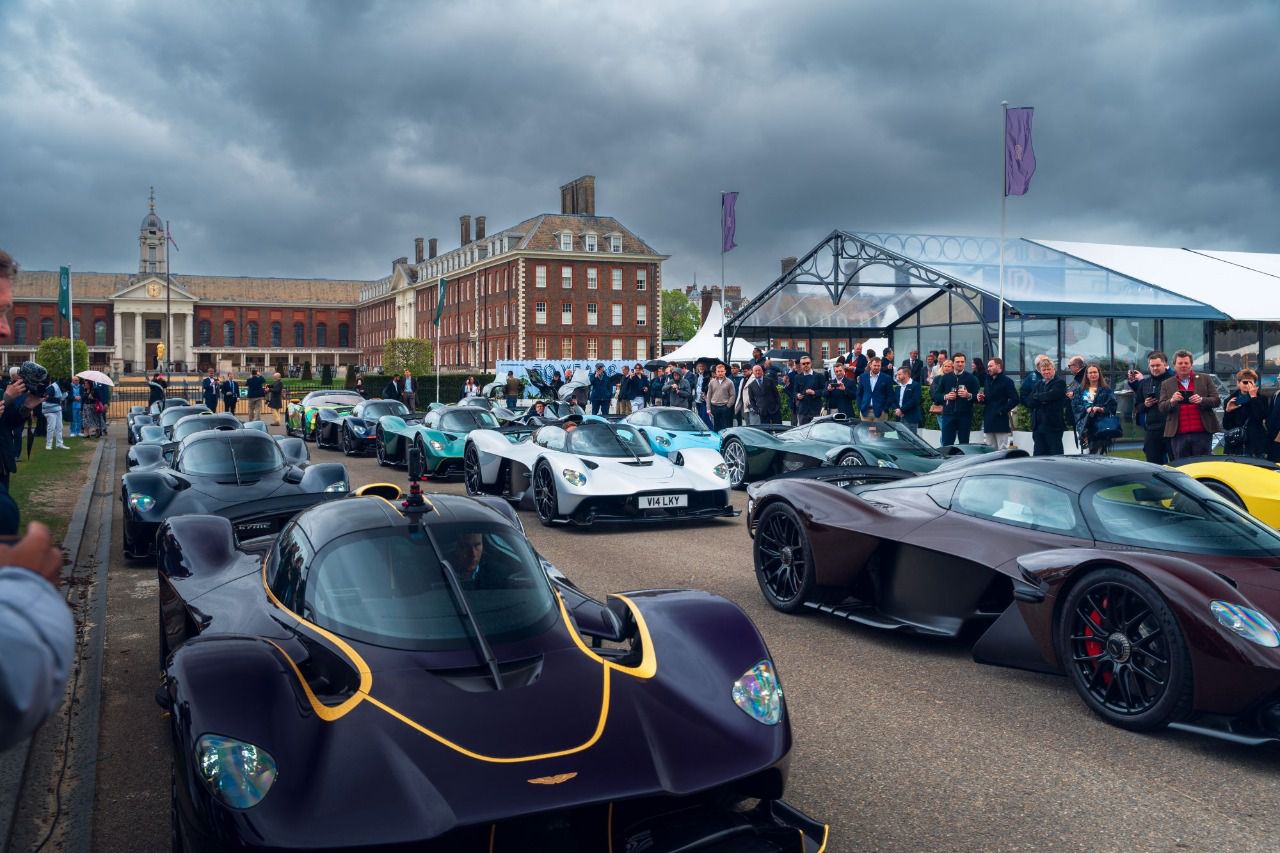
{"x": 64, "y": 292}
{"x": 440, "y": 303}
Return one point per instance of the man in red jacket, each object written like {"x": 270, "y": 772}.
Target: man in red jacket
{"x": 1188, "y": 399}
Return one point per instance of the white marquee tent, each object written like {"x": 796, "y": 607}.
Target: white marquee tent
{"x": 708, "y": 343}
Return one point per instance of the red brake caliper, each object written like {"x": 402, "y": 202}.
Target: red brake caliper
{"x": 1094, "y": 647}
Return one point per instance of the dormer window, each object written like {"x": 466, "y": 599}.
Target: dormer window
{"x": 615, "y": 243}
{"x": 590, "y": 242}
{"x": 566, "y": 241}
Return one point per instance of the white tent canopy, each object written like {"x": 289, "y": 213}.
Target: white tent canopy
{"x": 708, "y": 342}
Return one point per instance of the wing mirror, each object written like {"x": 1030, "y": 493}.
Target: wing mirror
{"x": 293, "y": 474}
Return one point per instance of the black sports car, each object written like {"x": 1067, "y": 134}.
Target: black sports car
{"x": 356, "y": 432}
{"x": 154, "y": 449}
{"x": 173, "y": 414}
{"x": 233, "y": 473}
{"x": 1158, "y": 598}
{"x": 412, "y": 676}
{"x": 139, "y": 416}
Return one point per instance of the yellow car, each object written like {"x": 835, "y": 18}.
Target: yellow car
{"x": 1251, "y": 484}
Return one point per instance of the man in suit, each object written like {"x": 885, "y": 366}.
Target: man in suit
{"x": 1187, "y": 400}
{"x": 907, "y": 396}
{"x": 842, "y": 391}
{"x": 957, "y": 390}
{"x": 1047, "y": 399}
{"x": 915, "y": 366}
{"x": 999, "y": 398}
{"x": 230, "y": 392}
{"x": 738, "y": 378}
{"x": 407, "y": 390}
{"x": 209, "y": 390}
{"x": 859, "y": 363}
{"x": 874, "y": 393}
{"x": 394, "y": 390}
{"x": 763, "y": 404}
{"x": 806, "y": 392}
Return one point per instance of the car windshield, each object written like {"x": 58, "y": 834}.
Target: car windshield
{"x": 597, "y": 439}
{"x": 387, "y": 587}
{"x": 172, "y": 415}
{"x": 891, "y": 436}
{"x": 200, "y": 423}
{"x": 467, "y": 419}
{"x": 248, "y": 457}
{"x": 678, "y": 420}
{"x": 1169, "y": 511}
{"x": 382, "y": 408}
{"x": 332, "y": 399}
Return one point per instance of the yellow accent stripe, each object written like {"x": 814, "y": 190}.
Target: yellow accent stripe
{"x": 826, "y": 830}
{"x": 648, "y": 666}
{"x": 328, "y": 713}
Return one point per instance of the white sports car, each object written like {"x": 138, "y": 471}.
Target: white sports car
{"x": 595, "y": 472}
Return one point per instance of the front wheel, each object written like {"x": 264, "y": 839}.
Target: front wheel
{"x": 1124, "y": 652}
{"x": 380, "y": 451}
{"x": 851, "y": 457}
{"x": 471, "y": 472}
{"x": 347, "y": 449}
{"x": 735, "y": 457}
{"x": 545, "y": 499}
{"x": 783, "y": 558}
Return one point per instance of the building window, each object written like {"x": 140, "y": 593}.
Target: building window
{"x": 275, "y": 334}
{"x": 566, "y": 241}
{"x": 540, "y": 312}
{"x": 20, "y": 330}
{"x": 617, "y": 349}
{"x": 539, "y": 347}
{"x": 642, "y": 280}
{"x": 252, "y": 330}
{"x": 615, "y": 244}
{"x": 593, "y": 348}
{"x": 206, "y": 331}
{"x": 615, "y": 314}
{"x": 642, "y": 349}
{"x": 299, "y": 335}
{"x": 228, "y": 334}
{"x": 322, "y": 335}
{"x": 75, "y": 329}
{"x": 616, "y": 276}
{"x": 842, "y": 348}
{"x": 566, "y": 313}
{"x": 46, "y": 328}
{"x": 590, "y": 242}
{"x": 344, "y": 335}
{"x": 540, "y": 276}
{"x": 566, "y": 347}
{"x": 642, "y": 315}
{"x": 591, "y": 314}
{"x": 99, "y": 333}
{"x": 826, "y": 351}
{"x": 592, "y": 278}
{"x": 566, "y": 277}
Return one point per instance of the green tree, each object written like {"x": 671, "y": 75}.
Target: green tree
{"x": 54, "y": 354}
{"x": 326, "y": 375}
{"x": 680, "y": 317}
{"x": 412, "y": 354}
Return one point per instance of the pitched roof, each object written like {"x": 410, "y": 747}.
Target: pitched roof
{"x": 540, "y": 232}
{"x": 41, "y": 284}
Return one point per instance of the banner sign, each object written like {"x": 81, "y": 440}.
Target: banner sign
{"x": 582, "y": 369}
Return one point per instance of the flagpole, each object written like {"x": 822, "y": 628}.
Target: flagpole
{"x": 1004, "y": 198}
{"x": 71, "y": 322}
{"x": 168, "y": 307}
{"x": 724, "y": 341}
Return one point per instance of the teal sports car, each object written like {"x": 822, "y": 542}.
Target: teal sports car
{"x": 672, "y": 428}
{"x": 440, "y": 438}
{"x": 760, "y": 452}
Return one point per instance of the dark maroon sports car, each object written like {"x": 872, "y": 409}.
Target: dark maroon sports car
{"x": 1156, "y": 597}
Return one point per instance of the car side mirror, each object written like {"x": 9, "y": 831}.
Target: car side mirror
{"x": 293, "y": 474}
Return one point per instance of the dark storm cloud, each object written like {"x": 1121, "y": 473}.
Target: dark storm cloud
{"x": 320, "y": 139}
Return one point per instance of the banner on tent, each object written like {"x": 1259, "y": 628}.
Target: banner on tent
{"x": 582, "y": 368}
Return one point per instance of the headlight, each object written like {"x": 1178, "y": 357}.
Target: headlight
{"x": 759, "y": 694}
{"x": 358, "y": 429}
{"x": 238, "y": 773}
{"x": 141, "y": 503}
{"x": 1246, "y": 622}
{"x": 885, "y": 463}
{"x": 435, "y": 445}
{"x": 574, "y": 478}
{"x": 721, "y": 471}
{"x": 662, "y": 441}
{"x": 340, "y": 486}
{"x": 751, "y": 504}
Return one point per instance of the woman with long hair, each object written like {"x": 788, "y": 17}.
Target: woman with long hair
{"x": 1093, "y": 401}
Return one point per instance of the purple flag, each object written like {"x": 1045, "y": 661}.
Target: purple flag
{"x": 728, "y": 221}
{"x": 1019, "y": 156}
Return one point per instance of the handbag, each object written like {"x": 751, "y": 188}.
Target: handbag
{"x": 1233, "y": 440}
{"x": 98, "y": 408}
{"x": 1107, "y": 427}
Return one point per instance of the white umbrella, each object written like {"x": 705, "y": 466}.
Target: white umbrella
{"x": 95, "y": 376}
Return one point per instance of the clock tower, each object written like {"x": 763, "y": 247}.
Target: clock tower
{"x": 153, "y": 250}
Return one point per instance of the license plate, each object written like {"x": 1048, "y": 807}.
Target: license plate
{"x": 663, "y": 501}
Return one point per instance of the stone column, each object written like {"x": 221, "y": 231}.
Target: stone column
{"x": 118, "y": 340}
{"x": 189, "y": 353}
{"x": 139, "y": 347}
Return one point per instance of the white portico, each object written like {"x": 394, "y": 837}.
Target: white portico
{"x": 141, "y": 320}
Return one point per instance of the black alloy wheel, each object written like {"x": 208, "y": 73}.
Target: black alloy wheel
{"x": 1124, "y": 652}
{"x": 380, "y": 450}
{"x": 851, "y": 457}
{"x": 422, "y": 454}
{"x": 347, "y": 449}
{"x": 1225, "y": 492}
{"x": 471, "y": 473}
{"x": 784, "y": 568}
{"x": 545, "y": 500}
{"x": 735, "y": 456}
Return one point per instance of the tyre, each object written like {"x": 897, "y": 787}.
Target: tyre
{"x": 422, "y": 454}
{"x": 545, "y": 499}
{"x": 380, "y": 450}
{"x": 347, "y": 449}
{"x": 783, "y": 559}
{"x": 735, "y": 456}
{"x": 851, "y": 457}
{"x": 1225, "y": 492}
{"x": 471, "y": 473}
{"x": 1123, "y": 650}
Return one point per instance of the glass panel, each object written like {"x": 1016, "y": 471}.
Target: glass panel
{"x": 1018, "y": 502}
{"x": 1086, "y": 337}
{"x": 1132, "y": 340}
{"x": 1038, "y": 337}
{"x": 99, "y": 333}
{"x": 935, "y": 312}
{"x": 1235, "y": 347}
{"x": 152, "y": 328}
{"x": 967, "y": 338}
{"x": 904, "y": 341}
{"x": 1271, "y": 354}
{"x": 961, "y": 312}
{"x": 1188, "y": 335}
{"x": 935, "y": 338}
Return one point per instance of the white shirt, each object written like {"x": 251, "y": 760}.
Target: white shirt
{"x": 902, "y": 389}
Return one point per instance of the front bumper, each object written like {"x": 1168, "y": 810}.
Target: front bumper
{"x": 625, "y": 508}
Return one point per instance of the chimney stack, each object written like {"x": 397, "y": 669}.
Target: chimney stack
{"x": 579, "y": 196}
{"x": 708, "y": 297}
{"x": 431, "y": 248}
{"x": 787, "y": 264}
{"x": 417, "y": 250}
{"x": 464, "y": 222}
{"x": 479, "y": 227}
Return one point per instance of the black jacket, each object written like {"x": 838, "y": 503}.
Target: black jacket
{"x": 392, "y": 391}
{"x": 916, "y": 366}
{"x": 1252, "y": 415}
{"x": 948, "y": 382}
{"x": 1001, "y": 398}
{"x": 1046, "y": 401}
{"x": 762, "y": 397}
{"x": 1152, "y": 419}
{"x": 806, "y": 404}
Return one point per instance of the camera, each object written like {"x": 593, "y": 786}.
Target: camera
{"x": 35, "y": 377}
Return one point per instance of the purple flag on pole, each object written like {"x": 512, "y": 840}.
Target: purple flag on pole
{"x": 728, "y": 221}
{"x": 1019, "y": 156}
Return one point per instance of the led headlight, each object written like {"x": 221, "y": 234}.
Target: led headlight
{"x": 141, "y": 503}
{"x": 339, "y": 486}
{"x": 574, "y": 478}
{"x": 662, "y": 441}
{"x": 885, "y": 463}
{"x": 358, "y": 429}
{"x": 721, "y": 471}
{"x": 435, "y": 445}
{"x": 759, "y": 694}
{"x": 1246, "y": 622}
{"x": 238, "y": 773}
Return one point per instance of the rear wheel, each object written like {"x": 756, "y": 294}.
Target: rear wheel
{"x": 784, "y": 561}
{"x": 1224, "y": 491}
{"x": 851, "y": 457}
{"x": 471, "y": 473}
{"x": 545, "y": 500}
{"x": 1124, "y": 652}
{"x": 735, "y": 457}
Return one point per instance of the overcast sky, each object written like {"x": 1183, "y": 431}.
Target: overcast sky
{"x": 293, "y": 139}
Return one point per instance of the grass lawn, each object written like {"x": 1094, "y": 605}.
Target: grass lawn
{"x": 48, "y": 485}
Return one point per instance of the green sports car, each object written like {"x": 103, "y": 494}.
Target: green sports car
{"x": 440, "y": 437}
{"x": 302, "y": 417}
{"x": 757, "y": 453}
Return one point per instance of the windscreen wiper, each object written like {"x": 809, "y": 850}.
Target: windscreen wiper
{"x": 623, "y": 444}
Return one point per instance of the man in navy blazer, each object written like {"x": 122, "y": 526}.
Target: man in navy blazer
{"x": 999, "y": 398}
{"x": 807, "y": 392}
{"x": 906, "y": 397}
{"x": 874, "y": 392}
